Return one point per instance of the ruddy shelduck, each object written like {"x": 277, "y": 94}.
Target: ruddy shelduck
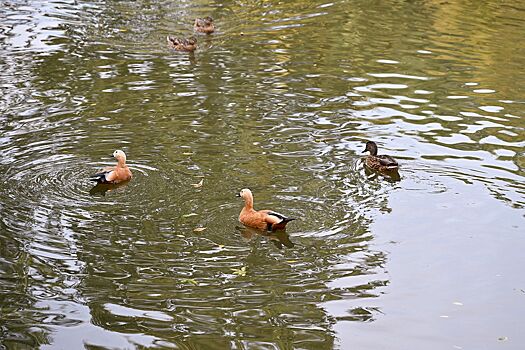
{"x": 267, "y": 220}
{"x": 204, "y": 25}
{"x": 115, "y": 174}
{"x": 379, "y": 162}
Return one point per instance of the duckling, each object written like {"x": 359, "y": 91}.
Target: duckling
{"x": 178, "y": 44}
{"x": 115, "y": 174}
{"x": 263, "y": 219}
{"x": 379, "y": 162}
{"x": 204, "y": 25}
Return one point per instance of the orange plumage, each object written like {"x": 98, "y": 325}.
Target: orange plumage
{"x": 115, "y": 174}
{"x": 267, "y": 220}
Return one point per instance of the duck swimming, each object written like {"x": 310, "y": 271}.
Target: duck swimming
{"x": 262, "y": 219}
{"x": 179, "y": 44}
{"x": 379, "y": 162}
{"x": 114, "y": 174}
{"x": 204, "y": 25}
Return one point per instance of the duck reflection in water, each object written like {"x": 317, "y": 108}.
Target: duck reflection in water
{"x": 101, "y": 189}
{"x": 390, "y": 176}
{"x": 279, "y": 238}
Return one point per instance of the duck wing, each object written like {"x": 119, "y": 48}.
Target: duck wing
{"x": 387, "y": 161}
{"x": 103, "y": 177}
{"x": 280, "y": 217}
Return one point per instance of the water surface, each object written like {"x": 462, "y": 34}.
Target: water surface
{"x": 279, "y": 99}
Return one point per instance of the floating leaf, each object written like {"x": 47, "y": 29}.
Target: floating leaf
{"x": 292, "y": 261}
{"x": 199, "y": 229}
{"x": 240, "y": 272}
{"x": 187, "y": 153}
{"x": 181, "y": 236}
{"x": 189, "y": 215}
{"x": 199, "y": 184}
{"x": 190, "y": 281}
{"x": 221, "y": 246}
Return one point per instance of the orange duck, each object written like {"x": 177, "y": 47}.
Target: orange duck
{"x": 114, "y": 174}
{"x": 262, "y": 219}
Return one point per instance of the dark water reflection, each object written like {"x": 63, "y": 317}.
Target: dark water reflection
{"x": 280, "y": 100}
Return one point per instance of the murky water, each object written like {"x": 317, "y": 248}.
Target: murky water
{"x": 280, "y": 100}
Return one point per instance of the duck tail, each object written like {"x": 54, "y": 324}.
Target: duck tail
{"x": 98, "y": 178}
{"x": 286, "y": 220}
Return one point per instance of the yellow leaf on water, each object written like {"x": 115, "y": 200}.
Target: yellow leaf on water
{"x": 189, "y": 280}
{"x": 292, "y": 261}
{"x": 189, "y": 215}
{"x": 181, "y": 236}
{"x": 199, "y": 184}
{"x": 240, "y": 272}
{"x": 199, "y": 229}
{"x": 221, "y": 246}
{"x": 187, "y": 153}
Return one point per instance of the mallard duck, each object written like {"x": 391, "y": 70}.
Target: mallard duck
{"x": 268, "y": 220}
{"x": 204, "y": 25}
{"x": 178, "y": 44}
{"x": 114, "y": 174}
{"x": 379, "y": 162}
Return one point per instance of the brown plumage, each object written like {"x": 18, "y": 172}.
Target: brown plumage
{"x": 379, "y": 162}
{"x": 267, "y": 220}
{"x": 204, "y": 25}
{"x": 179, "y": 44}
{"x": 114, "y": 174}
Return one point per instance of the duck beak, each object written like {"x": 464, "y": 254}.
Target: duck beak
{"x": 364, "y": 151}
{"x": 238, "y": 195}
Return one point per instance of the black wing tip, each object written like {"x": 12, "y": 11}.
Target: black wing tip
{"x": 283, "y": 218}
{"x": 99, "y": 178}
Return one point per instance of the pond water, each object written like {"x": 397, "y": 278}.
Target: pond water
{"x": 280, "y": 99}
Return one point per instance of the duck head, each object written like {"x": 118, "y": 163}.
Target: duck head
{"x": 372, "y": 147}
{"x": 245, "y": 194}
{"x": 120, "y": 156}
